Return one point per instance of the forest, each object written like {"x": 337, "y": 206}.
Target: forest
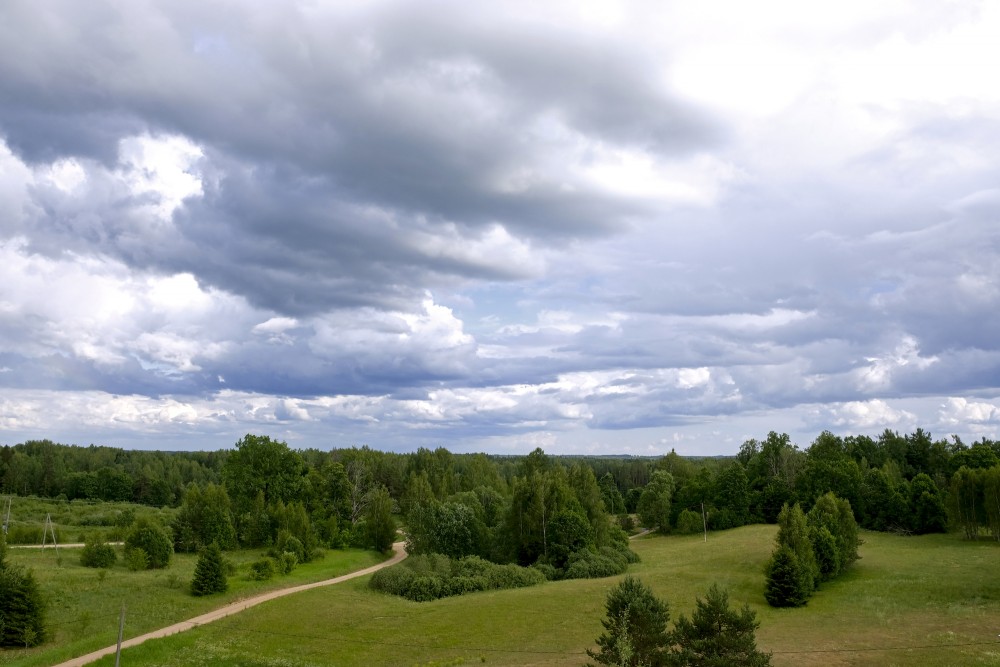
{"x": 517, "y": 508}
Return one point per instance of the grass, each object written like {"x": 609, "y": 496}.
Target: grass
{"x": 84, "y": 603}
{"x": 904, "y": 593}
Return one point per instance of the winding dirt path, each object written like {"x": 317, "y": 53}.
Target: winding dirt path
{"x": 399, "y": 553}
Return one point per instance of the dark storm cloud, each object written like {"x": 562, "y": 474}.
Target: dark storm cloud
{"x": 445, "y": 118}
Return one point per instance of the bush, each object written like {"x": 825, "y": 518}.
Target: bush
{"x": 209, "y": 572}
{"x": 606, "y": 562}
{"x": 433, "y": 576}
{"x": 262, "y": 570}
{"x": 97, "y": 553}
{"x": 287, "y": 562}
{"x": 136, "y": 559}
{"x": 153, "y": 540}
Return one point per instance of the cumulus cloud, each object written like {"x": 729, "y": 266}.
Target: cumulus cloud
{"x": 540, "y": 223}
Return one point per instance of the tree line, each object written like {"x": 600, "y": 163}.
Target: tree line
{"x": 907, "y": 483}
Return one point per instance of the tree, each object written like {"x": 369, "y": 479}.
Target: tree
{"x": 635, "y": 629}
{"x": 793, "y": 532}
{"x": 209, "y": 572}
{"x": 654, "y": 503}
{"x": 259, "y": 464}
{"x": 22, "y": 609}
{"x": 205, "y": 517}
{"x": 717, "y": 636}
{"x": 834, "y": 516}
{"x": 380, "y": 527}
{"x": 151, "y": 539}
{"x": 786, "y": 582}
{"x": 570, "y": 532}
{"x": 927, "y": 509}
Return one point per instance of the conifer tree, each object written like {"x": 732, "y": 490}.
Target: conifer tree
{"x": 636, "y": 627}
{"x": 716, "y": 635}
{"x": 22, "y": 610}
{"x": 209, "y": 572}
{"x": 786, "y": 582}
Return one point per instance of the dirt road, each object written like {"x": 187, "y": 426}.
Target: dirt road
{"x": 399, "y": 553}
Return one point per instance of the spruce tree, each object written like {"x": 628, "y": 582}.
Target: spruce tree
{"x": 22, "y": 610}
{"x": 787, "y": 584}
{"x": 209, "y": 572}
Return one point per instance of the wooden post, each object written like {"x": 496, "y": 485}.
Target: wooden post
{"x": 121, "y": 630}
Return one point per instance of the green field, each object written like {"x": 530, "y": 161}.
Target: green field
{"x": 84, "y": 603}
{"x": 906, "y": 594}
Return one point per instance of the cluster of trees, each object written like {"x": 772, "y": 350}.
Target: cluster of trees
{"x": 636, "y": 631}
{"x": 547, "y": 515}
{"x": 975, "y": 501}
{"x": 893, "y": 483}
{"x": 810, "y": 549}
{"x": 44, "y": 468}
{"x": 22, "y": 609}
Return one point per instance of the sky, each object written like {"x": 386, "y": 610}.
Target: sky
{"x": 598, "y": 227}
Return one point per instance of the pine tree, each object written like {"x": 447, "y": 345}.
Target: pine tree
{"x": 636, "y": 627}
{"x": 209, "y": 572}
{"x": 717, "y": 636}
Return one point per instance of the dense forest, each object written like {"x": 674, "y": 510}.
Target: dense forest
{"x": 519, "y": 508}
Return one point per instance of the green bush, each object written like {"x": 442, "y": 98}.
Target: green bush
{"x": 287, "y": 562}
{"x": 97, "y": 553}
{"x": 586, "y": 564}
{"x": 433, "y": 576}
{"x": 136, "y": 559}
{"x": 262, "y": 570}
{"x": 152, "y": 539}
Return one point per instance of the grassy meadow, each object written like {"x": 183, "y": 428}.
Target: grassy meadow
{"x": 84, "y": 603}
{"x": 905, "y": 595}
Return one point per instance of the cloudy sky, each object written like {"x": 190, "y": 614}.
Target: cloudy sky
{"x": 592, "y": 227}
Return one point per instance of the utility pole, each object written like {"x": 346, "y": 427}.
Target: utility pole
{"x": 704, "y": 521}
{"x": 121, "y": 630}
{"x": 49, "y": 526}
{"x": 6, "y": 520}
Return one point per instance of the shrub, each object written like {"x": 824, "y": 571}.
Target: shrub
{"x": 606, "y": 562}
{"x": 209, "y": 572}
{"x": 262, "y": 570}
{"x": 153, "y": 540}
{"x": 287, "y": 562}
{"x": 97, "y": 553}
{"x": 136, "y": 559}
{"x": 433, "y": 576}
